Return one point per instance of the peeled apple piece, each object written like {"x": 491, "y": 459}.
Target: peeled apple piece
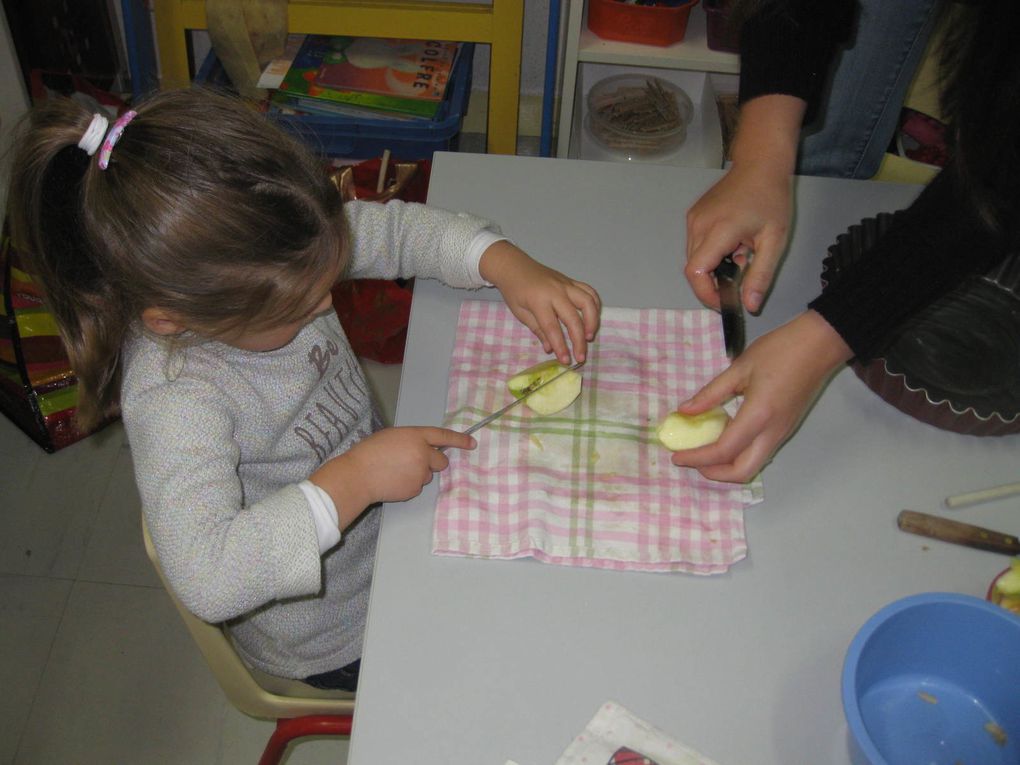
{"x": 684, "y": 431}
{"x": 553, "y": 397}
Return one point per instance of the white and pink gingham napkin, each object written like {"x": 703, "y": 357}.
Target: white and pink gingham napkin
{"x": 591, "y": 485}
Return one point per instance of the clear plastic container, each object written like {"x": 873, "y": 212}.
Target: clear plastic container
{"x": 638, "y": 115}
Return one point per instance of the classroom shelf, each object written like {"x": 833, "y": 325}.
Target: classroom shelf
{"x": 585, "y": 47}
{"x": 498, "y": 23}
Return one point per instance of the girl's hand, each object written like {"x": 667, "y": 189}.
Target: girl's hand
{"x": 544, "y": 299}
{"x": 391, "y": 465}
{"x": 780, "y": 375}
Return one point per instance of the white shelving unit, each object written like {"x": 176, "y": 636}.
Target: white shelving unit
{"x": 584, "y": 47}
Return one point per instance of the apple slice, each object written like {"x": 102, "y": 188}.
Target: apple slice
{"x": 553, "y": 397}
{"x": 685, "y": 431}
{"x": 1008, "y": 585}
{"x": 1006, "y": 589}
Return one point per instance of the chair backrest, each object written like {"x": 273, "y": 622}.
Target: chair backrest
{"x": 254, "y": 693}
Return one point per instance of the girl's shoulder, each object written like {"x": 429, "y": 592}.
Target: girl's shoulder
{"x": 167, "y": 369}
{"x": 169, "y": 404}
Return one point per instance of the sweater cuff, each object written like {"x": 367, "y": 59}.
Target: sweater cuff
{"x": 482, "y": 241}
{"x": 327, "y": 524}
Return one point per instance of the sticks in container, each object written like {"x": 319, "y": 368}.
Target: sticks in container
{"x": 983, "y": 495}
{"x": 380, "y": 183}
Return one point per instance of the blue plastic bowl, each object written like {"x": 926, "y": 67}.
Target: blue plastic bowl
{"x": 935, "y": 679}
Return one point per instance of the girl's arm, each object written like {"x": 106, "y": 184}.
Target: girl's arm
{"x": 391, "y": 465}
{"x": 401, "y": 239}
{"x": 223, "y": 558}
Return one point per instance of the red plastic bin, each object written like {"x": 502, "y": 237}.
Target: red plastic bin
{"x": 646, "y": 24}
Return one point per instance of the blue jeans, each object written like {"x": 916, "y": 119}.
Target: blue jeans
{"x": 860, "y": 112}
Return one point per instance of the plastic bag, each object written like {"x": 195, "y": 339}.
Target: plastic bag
{"x": 375, "y": 312}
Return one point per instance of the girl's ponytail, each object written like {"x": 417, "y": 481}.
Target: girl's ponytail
{"x": 47, "y": 182}
{"x": 207, "y": 210}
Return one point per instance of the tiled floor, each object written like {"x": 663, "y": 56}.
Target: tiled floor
{"x": 96, "y": 667}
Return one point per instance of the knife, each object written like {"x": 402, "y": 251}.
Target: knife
{"x": 958, "y": 533}
{"x": 727, "y": 277}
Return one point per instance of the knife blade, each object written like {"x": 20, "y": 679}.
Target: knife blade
{"x": 527, "y": 392}
{"x": 727, "y": 277}
{"x": 958, "y": 533}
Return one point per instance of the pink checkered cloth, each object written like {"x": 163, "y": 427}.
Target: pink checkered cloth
{"x": 591, "y": 485}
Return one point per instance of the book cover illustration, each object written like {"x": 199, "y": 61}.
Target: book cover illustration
{"x": 399, "y": 76}
{"x": 408, "y": 68}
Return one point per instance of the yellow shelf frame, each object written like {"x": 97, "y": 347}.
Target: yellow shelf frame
{"x": 498, "y": 24}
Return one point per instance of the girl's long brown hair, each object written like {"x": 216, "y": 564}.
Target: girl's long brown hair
{"x": 206, "y": 210}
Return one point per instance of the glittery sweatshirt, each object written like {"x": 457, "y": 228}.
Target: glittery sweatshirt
{"x": 222, "y": 437}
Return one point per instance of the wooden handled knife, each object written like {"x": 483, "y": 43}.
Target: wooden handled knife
{"x": 958, "y": 533}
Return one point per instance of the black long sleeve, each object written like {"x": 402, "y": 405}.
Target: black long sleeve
{"x": 787, "y": 47}
{"x": 929, "y": 249}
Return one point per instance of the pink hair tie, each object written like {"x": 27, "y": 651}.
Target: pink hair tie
{"x": 112, "y": 137}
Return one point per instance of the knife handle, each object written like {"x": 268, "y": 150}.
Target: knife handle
{"x": 958, "y": 533}
{"x": 727, "y": 269}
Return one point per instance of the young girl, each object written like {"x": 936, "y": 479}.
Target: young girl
{"x": 187, "y": 252}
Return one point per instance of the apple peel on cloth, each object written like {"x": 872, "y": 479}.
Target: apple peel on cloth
{"x": 590, "y": 485}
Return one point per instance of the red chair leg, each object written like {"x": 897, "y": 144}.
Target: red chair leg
{"x": 299, "y": 727}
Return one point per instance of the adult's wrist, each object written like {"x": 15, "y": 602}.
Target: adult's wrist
{"x": 827, "y": 348}
{"x": 768, "y": 133}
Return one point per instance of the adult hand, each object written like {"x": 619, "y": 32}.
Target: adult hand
{"x": 751, "y": 207}
{"x": 748, "y": 210}
{"x": 544, "y": 300}
{"x": 780, "y": 375}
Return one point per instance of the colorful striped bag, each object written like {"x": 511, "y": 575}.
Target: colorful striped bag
{"x": 38, "y": 389}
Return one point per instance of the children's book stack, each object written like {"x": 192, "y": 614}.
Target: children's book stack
{"x": 360, "y": 77}
{"x": 361, "y": 131}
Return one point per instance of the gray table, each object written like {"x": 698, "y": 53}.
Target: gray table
{"x": 478, "y": 661}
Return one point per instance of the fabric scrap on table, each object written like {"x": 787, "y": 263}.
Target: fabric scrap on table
{"x": 615, "y": 736}
{"x": 591, "y": 485}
